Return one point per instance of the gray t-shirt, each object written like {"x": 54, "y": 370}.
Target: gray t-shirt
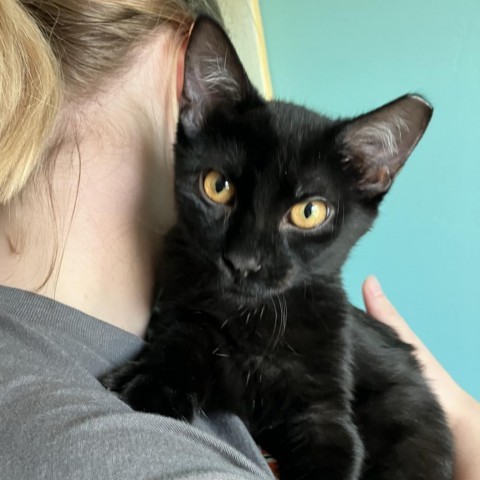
{"x": 58, "y": 422}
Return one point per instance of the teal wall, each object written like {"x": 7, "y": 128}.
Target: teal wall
{"x": 345, "y": 57}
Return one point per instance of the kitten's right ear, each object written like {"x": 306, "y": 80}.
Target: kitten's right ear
{"x": 376, "y": 145}
{"x": 214, "y": 75}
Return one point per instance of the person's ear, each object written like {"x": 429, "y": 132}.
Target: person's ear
{"x": 181, "y": 65}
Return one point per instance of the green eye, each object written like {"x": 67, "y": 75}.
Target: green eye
{"x": 309, "y": 214}
{"x": 217, "y": 188}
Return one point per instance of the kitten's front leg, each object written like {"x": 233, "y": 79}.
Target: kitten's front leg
{"x": 320, "y": 443}
{"x": 173, "y": 374}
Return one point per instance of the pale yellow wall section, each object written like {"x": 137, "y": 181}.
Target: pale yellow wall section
{"x": 244, "y": 24}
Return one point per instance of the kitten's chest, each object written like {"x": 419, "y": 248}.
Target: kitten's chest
{"x": 286, "y": 325}
{"x": 281, "y": 355}
{"x": 288, "y": 336}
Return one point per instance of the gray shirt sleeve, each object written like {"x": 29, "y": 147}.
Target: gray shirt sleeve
{"x": 58, "y": 422}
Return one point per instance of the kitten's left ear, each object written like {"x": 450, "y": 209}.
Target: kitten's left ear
{"x": 376, "y": 145}
{"x": 214, "y": 76}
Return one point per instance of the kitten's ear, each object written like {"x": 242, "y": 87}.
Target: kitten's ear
{"x": 214, "y": 75}
{"x": 376, "y": 145}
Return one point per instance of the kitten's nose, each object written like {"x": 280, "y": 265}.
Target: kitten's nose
{"x": 241, "y": 264}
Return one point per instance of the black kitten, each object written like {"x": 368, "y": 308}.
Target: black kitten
{"x": 252, "y": 317}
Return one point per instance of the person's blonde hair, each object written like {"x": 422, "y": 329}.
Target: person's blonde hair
{"x": 55, "y": 48}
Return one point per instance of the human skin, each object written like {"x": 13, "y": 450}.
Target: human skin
{"x": 463, "y": 411}
{"x": 109, "y": 199}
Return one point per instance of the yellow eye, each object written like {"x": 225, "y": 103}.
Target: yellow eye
{"x": 309, "y": 214}
{"x": 217, "y": 188}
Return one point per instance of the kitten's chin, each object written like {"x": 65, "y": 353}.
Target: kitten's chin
{"x": 250, "y": 297}
{"x": 241, "y": 299}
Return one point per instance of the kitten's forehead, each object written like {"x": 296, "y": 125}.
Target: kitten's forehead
{"x": 299, "y": 153}
{"x": 296, "y": 123}
{"x": 300, "y": 135}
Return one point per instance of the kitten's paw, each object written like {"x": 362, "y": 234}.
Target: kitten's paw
{"x": 117, "y": 379}
{"x": 145, "y": 392}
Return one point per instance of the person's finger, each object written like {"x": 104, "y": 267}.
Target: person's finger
{"x": 379, "y": 307}
{"x": 376, "y": 302}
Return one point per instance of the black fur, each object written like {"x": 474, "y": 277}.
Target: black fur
{"x": 252, "y": 317}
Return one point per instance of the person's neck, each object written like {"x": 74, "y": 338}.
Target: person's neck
{"x": 94, "y": 248}
{"x": 90, "y": 237}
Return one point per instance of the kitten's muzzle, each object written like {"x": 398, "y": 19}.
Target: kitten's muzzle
{"x": 248, "y": 278}
{"x": 241, "y": 265}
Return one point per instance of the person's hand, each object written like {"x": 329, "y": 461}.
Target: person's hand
{"x": 463, "y": 412}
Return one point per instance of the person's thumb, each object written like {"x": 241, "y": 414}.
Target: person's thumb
{"x": 377, "y": 304}
{"x": 379, "y": 307}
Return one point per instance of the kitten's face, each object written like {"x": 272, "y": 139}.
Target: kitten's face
{"x": 263, "y": 196}
{"x": 271, "y": 195}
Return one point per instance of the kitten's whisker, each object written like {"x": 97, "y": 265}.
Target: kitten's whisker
{"x": 290, "y": 347}
{"x": 282, "y": 305}
{"x": 274, "y": 325}
{"x": 280, "y": 326}
{"x": 285, "y": 316}
{"x": 278, "y": 334}
{"x": 224, "y": 324}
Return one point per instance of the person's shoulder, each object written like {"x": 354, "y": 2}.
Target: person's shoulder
{"x": 58, "y": 421}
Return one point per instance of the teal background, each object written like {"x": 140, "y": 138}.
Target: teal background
{"x": 344, "y": 57}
